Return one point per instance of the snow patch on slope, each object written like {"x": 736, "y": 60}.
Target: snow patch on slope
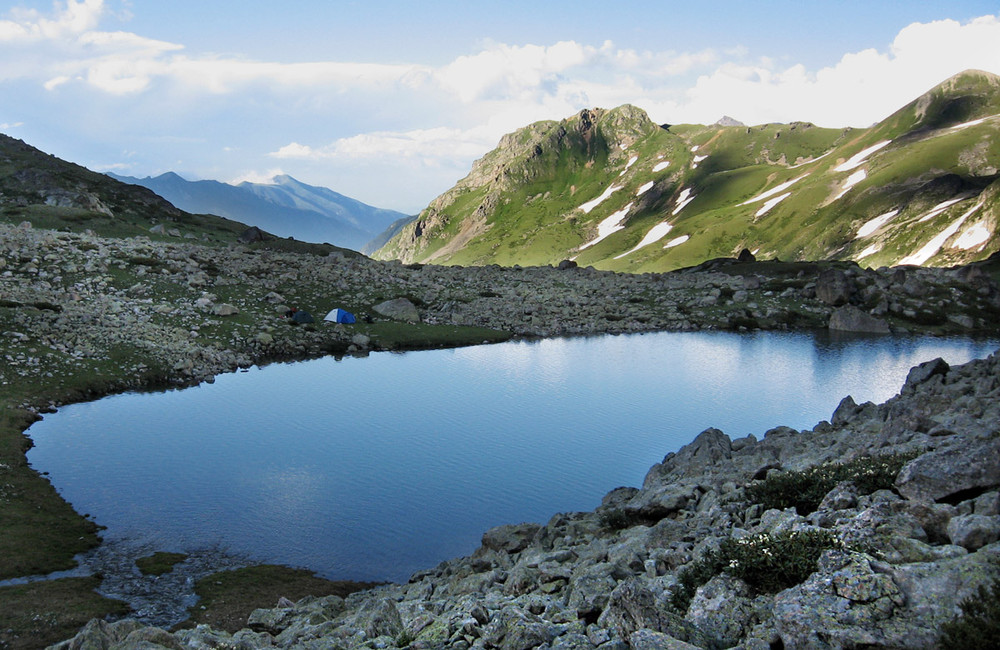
{"x": 874, "y": 224}
{"x": 860, "y": 157}
{"x": 851, "y": 181}
{"x": 774, "y": 190}
{"x": 609, "y": 226}
{"x": 655, "y": 234}
{"x": 676, "y": 242}
{"x": 931, "y": 248}
{"x": 660, "y": 166}
{"x": 590, "y": 205}
{"x": 631, "y": 161}
{"x": 975, "y": 236}
{"x": 644, "y": 188}
{"x": 682, "y": 200}
{"x": 871, "y": 250}
{"x": 809, "y": 162}
{"x": 764, "y": 209}
{"x": 939, "y": 208}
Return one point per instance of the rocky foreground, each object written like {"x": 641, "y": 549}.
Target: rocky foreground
{"x": 893, "y": 564}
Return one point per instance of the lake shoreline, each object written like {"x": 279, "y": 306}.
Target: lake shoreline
{"x": 87, "y": 316}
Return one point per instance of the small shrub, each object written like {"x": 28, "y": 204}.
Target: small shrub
{"x": 767, "y": 564}
{"x": 771, "y": 564}
{"x": 615, "y": 519}
{"x": 804, "y": 490}
{"x": 978, "y": 628}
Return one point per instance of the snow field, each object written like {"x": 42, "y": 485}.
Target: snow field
{"x": 774, "y": 190}
{"x": 851, "y": 181}
{"x": 770, "y": 203}
{"x": 655, "y": 234}
{"x": 593, "y": 203}
{"x": 874, "y": 224}
{"x": 860, "y": 157}
{"x": 609, "y": 226}
{"x": 682, "y": 200}
{"x": 931, "y": 248}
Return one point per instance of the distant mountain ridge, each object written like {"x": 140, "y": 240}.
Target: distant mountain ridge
{"x": 286, "y": 207}
{"x": 612, "y": 189}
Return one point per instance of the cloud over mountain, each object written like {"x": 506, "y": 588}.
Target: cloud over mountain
{"x": 419, "y": 120}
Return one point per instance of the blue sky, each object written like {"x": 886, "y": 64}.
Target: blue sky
{"x": 390, "y": 102}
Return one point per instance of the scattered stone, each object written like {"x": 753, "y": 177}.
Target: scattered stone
{"x": 225, "y": 309}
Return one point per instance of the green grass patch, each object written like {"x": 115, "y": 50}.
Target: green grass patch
{"x": 41, "y": 532}
{"x": 159, "y": 563}
{"x": 227, "y": 598}
{"x": 39, "y": 614}
{"x": 394, "y": 335}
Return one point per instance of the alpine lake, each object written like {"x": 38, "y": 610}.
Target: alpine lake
{"x": 374, "y": 468}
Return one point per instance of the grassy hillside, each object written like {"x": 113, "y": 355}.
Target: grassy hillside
{"x": 610, "y": 189}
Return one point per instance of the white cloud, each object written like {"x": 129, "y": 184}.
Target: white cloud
{"x": 416, "y": 116}
{"x": 72, "y": 18}
{"x": 261, "y": 178}
{"x": 862, "y": 88}
{"x": 426, "y": 144}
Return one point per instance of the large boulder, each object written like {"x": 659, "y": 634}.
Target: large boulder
{"x": 510, "y": 538}
{"x": 638, "y": 604}
{"x": 834, "y": 287}
{"x": 852, "y": 601}
{"x": 398, "y": 309}
{"x": 851, "y": 319}
{"x": 949, "y": 473}
{"x": 723, "y": 609}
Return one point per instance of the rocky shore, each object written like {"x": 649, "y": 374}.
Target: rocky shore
{"x": 82, "y": 316}
{"x": 141, "y": 311}
{"x": 894, "y": 563}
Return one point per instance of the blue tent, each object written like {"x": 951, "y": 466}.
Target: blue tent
{"x": 338, "y": 315}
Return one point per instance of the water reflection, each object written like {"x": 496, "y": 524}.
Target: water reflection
{"x": 374, "y": 468}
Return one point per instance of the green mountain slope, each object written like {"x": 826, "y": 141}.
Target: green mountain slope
{"x": 611, "y": 189}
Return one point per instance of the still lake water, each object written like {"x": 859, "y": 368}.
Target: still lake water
{"x": 373, "y": 468}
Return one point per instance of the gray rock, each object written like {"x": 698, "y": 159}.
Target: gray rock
{"x": 380, "y": 618}
{"x": 833, "y": 287}
{"x": 650, "y": 640}
{"x": 974, "y": 531}
{"x": 398, "y": 309}
{"x": 921, "y": 373}
{"x": 637, "y": 604}
{"x": 722, "y": 609}
{"x": 273, "y": 621}
{"x": 515, "y": 629}
{"x": 845, "y": 605}
{"x": 510, "y": 538}
{"x": 225, "y": 309}
{"x": 943, "y": 473}
{"x": 851, "y": 319}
